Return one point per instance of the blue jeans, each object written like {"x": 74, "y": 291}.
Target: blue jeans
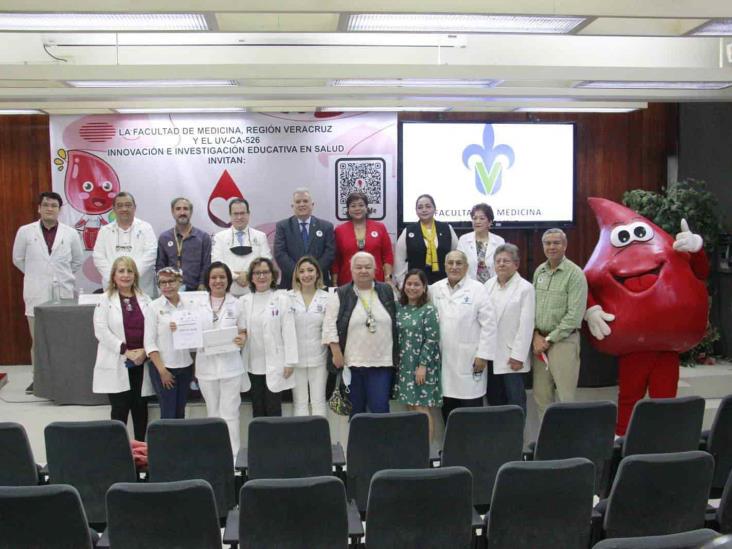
{"x": 370, "y": 388}
{"x": 172, "y": 401}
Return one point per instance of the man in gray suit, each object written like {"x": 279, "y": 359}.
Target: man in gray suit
{"x": 303, "y": 234}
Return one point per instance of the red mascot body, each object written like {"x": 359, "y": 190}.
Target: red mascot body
{"x": 647, "y": 301}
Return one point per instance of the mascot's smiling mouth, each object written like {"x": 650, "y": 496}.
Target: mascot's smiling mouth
{"x": 639, "y": 282}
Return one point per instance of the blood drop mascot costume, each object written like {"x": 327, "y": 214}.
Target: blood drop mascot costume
{"x": 647, "y": 301}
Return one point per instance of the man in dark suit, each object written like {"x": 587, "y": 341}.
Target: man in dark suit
{"x": 303, "y": 234}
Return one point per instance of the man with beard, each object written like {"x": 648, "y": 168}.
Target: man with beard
{"x": 184, "y": 247}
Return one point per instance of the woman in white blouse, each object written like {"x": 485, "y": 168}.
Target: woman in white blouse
{"x": 267, "y": 359}
{"x": 304, "y": 314}
{"x": 221, "y": 376}
{"x": 480, "y": 245}
{"x": 171, "y": 369}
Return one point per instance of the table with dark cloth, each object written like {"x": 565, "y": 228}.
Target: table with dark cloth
{"x": 65, "y": 351}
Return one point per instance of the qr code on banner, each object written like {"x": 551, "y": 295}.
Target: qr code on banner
{"x": 366, "y": 175}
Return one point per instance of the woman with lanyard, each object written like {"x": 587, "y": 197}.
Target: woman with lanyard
{"x": 480, "y": 245}
{"x": 304, "y": 314}
{"x": 268, "y": 359}
{"x": 171, "y": 369}
{"x": 424, "y": 244}
{"x": 221, "y": 376}
{"x": 361, "y": 234}
{"x": 360, "y": 329}
{"x": 119, "y": 326}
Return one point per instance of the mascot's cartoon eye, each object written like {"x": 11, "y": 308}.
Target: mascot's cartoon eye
{"x": 642, "y": 231}
{"x": 106, "y": 186}
{"x": 88, "y": 186}
{"x": 621, "y": 236}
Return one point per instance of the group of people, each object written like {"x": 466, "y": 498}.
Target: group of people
{"x": 439, "y": 321}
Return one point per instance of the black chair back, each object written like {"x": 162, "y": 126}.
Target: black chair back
{"x": 542, "y": 504}
{"x": 293, "y": 513}
{"x": 50, "y": 517}
{"x": 684, "y": 540}
{"x": 723, "y": 515}
{"x": 661, "y": 425}
{"x": 482, "y": 439}
{"x": 91, "y": 456}
{"x": 17, "y": 466}
{"x": 425, "y": 508}
{"x": 163, "y": 514}
{"x": 720, "y": 442}
{"x": 656, "y": 494}
{"x": 384, "y": 441}
{"x": 184, "y": 449}
{"x": 579, "y": 429}
{"x": 289, "y": 447}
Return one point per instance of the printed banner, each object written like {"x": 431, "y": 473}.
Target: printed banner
{"x": 211, "y": 159}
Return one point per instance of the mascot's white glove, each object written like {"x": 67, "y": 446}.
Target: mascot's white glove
{"x": 597, "y": 320}
{"x": 686, "y": 241}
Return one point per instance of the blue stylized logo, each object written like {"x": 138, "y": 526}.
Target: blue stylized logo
{"x": 488, "y": 171}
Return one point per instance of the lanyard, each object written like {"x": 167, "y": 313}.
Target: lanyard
{"x": 370, "y": 320}
{"x": 179, "y": 244}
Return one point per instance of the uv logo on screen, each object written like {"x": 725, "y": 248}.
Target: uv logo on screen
{"x": 488, "y": 168}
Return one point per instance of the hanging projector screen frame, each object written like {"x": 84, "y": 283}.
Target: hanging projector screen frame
{"x": 526, "y": 154}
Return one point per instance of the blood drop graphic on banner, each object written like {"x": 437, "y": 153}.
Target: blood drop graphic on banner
{"x": 90, "y": 186}
{"x": 218, "y": 201}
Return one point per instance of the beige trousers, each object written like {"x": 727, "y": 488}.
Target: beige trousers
{"x": 558, "y": 382}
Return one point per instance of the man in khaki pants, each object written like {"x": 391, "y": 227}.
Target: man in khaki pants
{"x": 561, "y": 297}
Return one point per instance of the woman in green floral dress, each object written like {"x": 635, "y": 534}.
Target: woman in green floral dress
{"x": 419, "y": 383}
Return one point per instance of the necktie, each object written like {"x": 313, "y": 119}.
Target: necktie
{"x": 240, "y": 237}
{"x": 304, "y": 234}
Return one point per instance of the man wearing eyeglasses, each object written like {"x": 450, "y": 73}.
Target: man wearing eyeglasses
{"x": 185, "y": 247}
{"x": 467, "y": 334}
{"x": 128, "y": 236}
{"x": 238, "y": 245}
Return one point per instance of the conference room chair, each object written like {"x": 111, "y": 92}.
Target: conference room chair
{"x": 287, "y": 447}
{"x": 657, "y": 494}
{"x": 398, "y": 440}
{"x": 17, "y": 466}
{"x": 718, "y": 442}
{"x": 579, "y": 429}
{"x": 180, "y": 515}
{"x": 425, "y": 508}
{"x": 684, "y": 540}
{"x": 90, "y": 456}
{"x": 541, "y": 504}
{"x": 482, "y": 439}
{"x": 50, "y": 516}
{"x": 296, "y": 513}
{"x": 721, "y": 518}
{"x": 185, "y": 449}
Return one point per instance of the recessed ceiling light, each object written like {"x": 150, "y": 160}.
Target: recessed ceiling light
{"x": 715, "y": 27}
{"x": 179, "y": 110}
{"x": 20, "y": 111}
{"x": 103, "y": 22}
{"x": 576, "y": 109}
{"x": 426, "y": 22}
{"x": 382, "y": 109}
{"x": 652, "y": 85}
{"x": 149, "y": 83}
{"x": 417, "y": 83}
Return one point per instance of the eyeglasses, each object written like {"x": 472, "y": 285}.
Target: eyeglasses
{"x": 164, "y": 283}
{"x": 261, "y": 273}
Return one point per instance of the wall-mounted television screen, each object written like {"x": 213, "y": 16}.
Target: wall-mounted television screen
{"x": 525, "y": 171}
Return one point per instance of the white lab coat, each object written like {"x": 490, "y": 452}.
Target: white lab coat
{"x": 466, "y": 244}
{"x": 144, "y": 252}
{"x": 303, "y": 328}
{"x": 224, "y": 365}
{"x": 467, "y": 331}
{"x": 279, "y": 353}
{"x": 30, "y": 255}
{"x": 515, "y": 323}
{"x": 226, "y": 239}
{"x": 110, "y": 374}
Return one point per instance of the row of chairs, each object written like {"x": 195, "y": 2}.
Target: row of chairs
{"x": 534, "y": 504}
